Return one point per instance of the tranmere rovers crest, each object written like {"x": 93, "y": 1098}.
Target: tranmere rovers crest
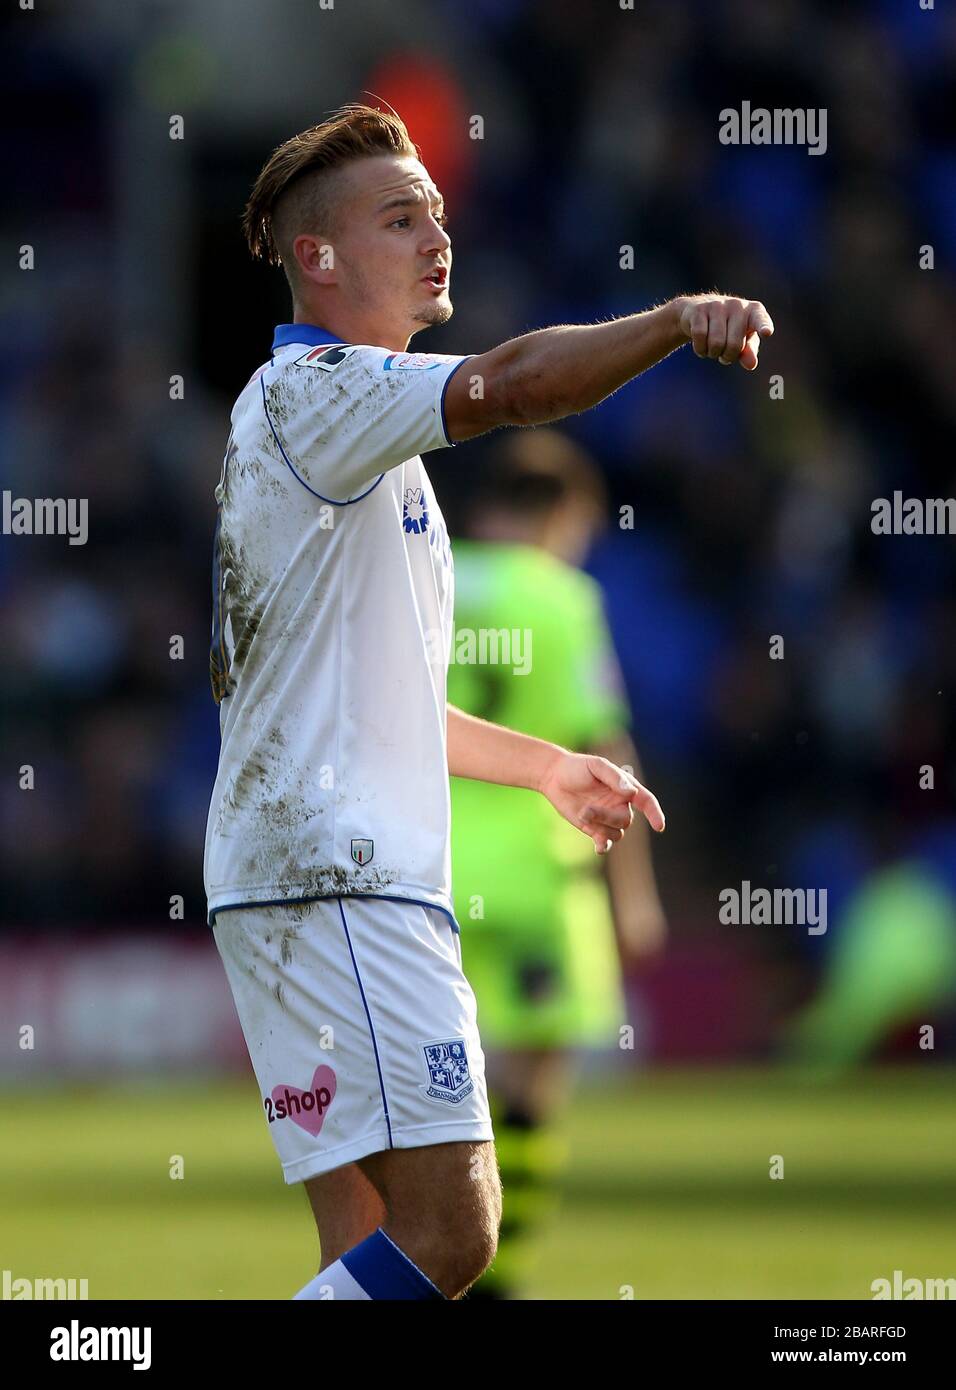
{"x": 362, "y": 851}
{"x": 448, "y": 1076}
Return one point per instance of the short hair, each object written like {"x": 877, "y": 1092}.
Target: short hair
{"x": 293, "y": 193}
{"x": 533, "y": 472}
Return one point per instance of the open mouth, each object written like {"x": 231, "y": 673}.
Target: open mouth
{"x": 437, "y": 277}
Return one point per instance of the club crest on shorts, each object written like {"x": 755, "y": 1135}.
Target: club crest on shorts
{"x": 449, "y": 1078}
{"x": 362, "y": 851}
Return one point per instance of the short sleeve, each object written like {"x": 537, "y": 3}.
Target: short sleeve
{"x": 342, "y": 415}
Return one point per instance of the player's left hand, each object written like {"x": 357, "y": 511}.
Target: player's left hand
{"x": 598, "y": 797}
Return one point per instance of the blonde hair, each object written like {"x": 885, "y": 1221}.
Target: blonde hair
{"x": 294, "y": 192}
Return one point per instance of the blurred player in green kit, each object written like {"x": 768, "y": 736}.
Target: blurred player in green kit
{"x": 546, "y": 926}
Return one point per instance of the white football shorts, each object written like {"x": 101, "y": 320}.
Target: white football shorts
{"x": 361, "y": 1027}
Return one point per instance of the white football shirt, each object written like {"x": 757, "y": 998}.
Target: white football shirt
{"x": 333, "y": 592}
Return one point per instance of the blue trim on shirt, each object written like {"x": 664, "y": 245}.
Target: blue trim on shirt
{"x": 385, "y": 1272}
{"x": 444, "y": 389}
{"x": 310, "y": 333}
{"x": 326, "y": 897}
{"x": 371, "y": 1026}
{"x": 331, "y": 500}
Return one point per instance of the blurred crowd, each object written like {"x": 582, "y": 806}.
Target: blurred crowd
{"x": 751, "y": 514}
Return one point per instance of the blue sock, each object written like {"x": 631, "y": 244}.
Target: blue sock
{"x": 375, "y": 1269}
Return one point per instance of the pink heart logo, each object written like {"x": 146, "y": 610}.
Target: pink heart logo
{"x": 307, "y": 1109}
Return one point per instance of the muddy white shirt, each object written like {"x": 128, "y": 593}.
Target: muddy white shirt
{"x": 333, "y": 591}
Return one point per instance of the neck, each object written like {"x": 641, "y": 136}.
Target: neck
{"x": 352, "y": 326}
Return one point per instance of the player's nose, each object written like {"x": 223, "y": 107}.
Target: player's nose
{"x": 436, "y": 238}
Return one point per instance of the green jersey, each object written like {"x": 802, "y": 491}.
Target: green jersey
{"x": 531, "y": 651}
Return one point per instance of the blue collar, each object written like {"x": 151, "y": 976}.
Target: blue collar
{"x": 310, "y": 333}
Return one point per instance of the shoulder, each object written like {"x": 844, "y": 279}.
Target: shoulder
{"x": 315, "y": 363}
{"x": 311, "y": 386}
{"x": 357, "y": 357}
{"x": 337, "y": 369}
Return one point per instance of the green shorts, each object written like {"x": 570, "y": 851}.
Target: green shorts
{"x": 549, "y": 985}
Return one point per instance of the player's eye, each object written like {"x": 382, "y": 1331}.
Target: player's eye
{"x": 406, "y": 220}
{"x": 442, "y": 219}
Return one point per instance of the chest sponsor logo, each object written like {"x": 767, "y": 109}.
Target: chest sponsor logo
{"x": 414, "y": 511}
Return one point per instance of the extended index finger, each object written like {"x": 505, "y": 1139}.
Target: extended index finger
{"x": 630, "y": 788}
{"x": 649, "y": 806}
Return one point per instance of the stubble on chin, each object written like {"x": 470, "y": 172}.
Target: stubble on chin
{"x": 434, "y": 315}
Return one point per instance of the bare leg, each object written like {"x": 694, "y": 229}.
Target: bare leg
{"x": 347, "y": 1208}
{"x": 443, "y": 1208}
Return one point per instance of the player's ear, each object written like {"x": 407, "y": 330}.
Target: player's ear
{"x": 315, "y": 256}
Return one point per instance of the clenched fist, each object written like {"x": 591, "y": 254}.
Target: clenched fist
{"x": 723, "y": 327}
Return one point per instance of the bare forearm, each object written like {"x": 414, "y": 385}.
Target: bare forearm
{"x": 590, "y": 792}
{"x": 491, "y": 753}
{"x": 563, "y": 370}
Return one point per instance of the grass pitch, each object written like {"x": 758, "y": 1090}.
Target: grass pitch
{"x": 667, "y": 1194}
